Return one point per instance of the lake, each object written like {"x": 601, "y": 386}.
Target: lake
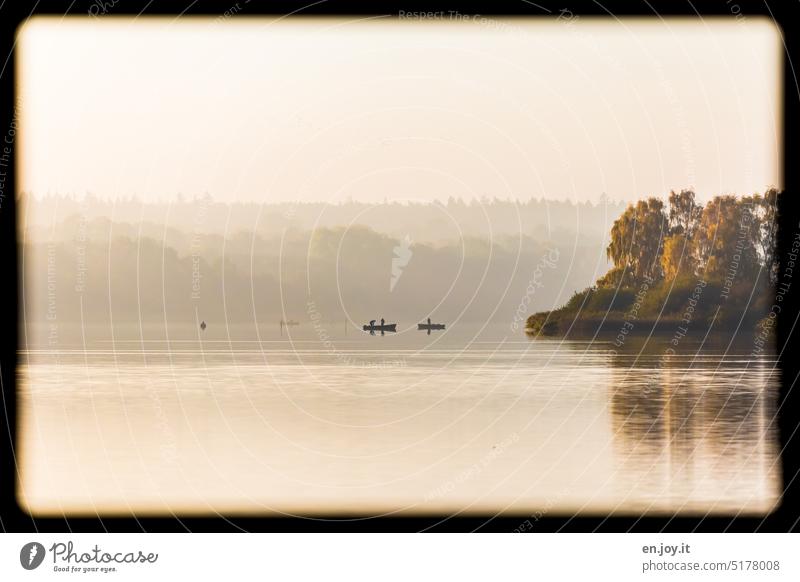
{"x": 316, "y": 419}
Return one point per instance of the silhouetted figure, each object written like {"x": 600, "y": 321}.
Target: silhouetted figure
{"x": 203, "y": 326}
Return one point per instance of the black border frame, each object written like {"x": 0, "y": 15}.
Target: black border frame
{"x": 785, "y": 518}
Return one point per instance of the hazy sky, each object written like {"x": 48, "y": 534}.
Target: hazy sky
{"x": 327, "y": 109}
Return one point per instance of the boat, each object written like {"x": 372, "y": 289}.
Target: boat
{"x": 372, "y": 327}
{"x": 429, "y": 326}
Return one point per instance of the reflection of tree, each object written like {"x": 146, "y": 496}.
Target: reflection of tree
{"x": 640, "y": 425}
{"x": 690, "y": 433}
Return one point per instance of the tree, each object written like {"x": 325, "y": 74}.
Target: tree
{"x": 677, "y": 258}
{"x": 616, "y": 277}
{"x": 724, "y": 246}
{"x": 637, "y": 238}
{"x": 684, "y": 213}
{"x": 766, "y": 213}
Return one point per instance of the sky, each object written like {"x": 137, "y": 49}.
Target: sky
{"x": 378, "y": 109}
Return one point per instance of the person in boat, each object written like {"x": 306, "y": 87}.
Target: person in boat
{"x": 429, "y": 322}
{"x": 382, "y": 321}
{"x": 372, "y": 323}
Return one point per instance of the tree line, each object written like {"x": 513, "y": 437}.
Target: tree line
{"x": 651, "y": 241}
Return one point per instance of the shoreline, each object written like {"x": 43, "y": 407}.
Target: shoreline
{"x": 616, "y": 326}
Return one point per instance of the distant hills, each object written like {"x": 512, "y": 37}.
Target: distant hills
{"x": 131, "y": 261}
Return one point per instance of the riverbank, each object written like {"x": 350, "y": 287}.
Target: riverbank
{"x": 671, "y": 310}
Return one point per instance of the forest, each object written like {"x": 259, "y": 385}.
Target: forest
{"x": 94, "y": 263}
{"x": 679, "y": 267}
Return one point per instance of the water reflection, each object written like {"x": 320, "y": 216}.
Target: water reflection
{"x": 699, "y": 435}
{"x": 484, "y": 426}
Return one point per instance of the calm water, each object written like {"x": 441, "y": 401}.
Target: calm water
{"x": 318, "y": 421}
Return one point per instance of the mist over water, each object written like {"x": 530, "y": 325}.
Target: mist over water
{"x": 96, "y": 263}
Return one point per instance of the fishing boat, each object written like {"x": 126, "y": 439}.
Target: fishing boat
{"x": 382, "y": 327}
{"x": 429, "y": 326}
